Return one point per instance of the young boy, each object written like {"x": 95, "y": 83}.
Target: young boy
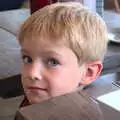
{"x": 62, "y": 48}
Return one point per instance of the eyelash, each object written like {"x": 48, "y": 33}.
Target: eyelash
{"x": 29, "y": 59}
{"x": 50, "y": 62}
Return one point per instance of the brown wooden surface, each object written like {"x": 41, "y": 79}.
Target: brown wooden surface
{"x": 112, "y": 4}
{"x": 117, "y": 6}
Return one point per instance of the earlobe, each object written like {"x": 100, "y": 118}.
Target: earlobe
{"x": 91, "y": 73}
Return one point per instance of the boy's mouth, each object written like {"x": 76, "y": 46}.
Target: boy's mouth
{"x": 35, "y": 88}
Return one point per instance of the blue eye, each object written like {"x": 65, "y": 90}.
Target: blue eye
{"x": 27, "y": 59}
{"x": 52, "y": 62}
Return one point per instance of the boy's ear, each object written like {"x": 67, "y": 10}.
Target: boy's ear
{"x": 92, "y": 71}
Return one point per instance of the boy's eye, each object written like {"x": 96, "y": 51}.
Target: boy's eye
{"x": 27, "y": 59}
{"x": 52, "y": 62}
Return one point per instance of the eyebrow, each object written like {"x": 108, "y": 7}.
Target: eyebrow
{"x": 47, "y": 52}
{"x": 23, "y": 50}
{"x": 50, "y": 52}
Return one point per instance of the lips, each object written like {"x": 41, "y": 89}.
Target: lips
{"x": 36, "y": 88}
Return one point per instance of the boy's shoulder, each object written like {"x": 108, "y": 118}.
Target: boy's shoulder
{"x": 72, "y": 106}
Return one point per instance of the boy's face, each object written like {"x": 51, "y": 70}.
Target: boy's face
{"x": 48, "y": 70}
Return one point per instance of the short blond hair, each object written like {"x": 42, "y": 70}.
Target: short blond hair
{"x": 71, "y": 24}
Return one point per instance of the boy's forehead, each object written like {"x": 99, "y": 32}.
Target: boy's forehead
{"x": 42, "y": 44}
{"x": 45, "y": 41}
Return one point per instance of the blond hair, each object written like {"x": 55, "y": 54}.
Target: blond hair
{"x": 71, "y": 24}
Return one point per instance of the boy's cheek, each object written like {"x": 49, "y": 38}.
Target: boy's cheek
{"x": 24, "y": 75}
{"x": 24, "y": 72}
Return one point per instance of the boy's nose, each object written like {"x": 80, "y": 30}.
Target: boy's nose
{"x": 35, "y": 72}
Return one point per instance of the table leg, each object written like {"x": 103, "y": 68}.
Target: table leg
{"x": 117, "y": 6}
